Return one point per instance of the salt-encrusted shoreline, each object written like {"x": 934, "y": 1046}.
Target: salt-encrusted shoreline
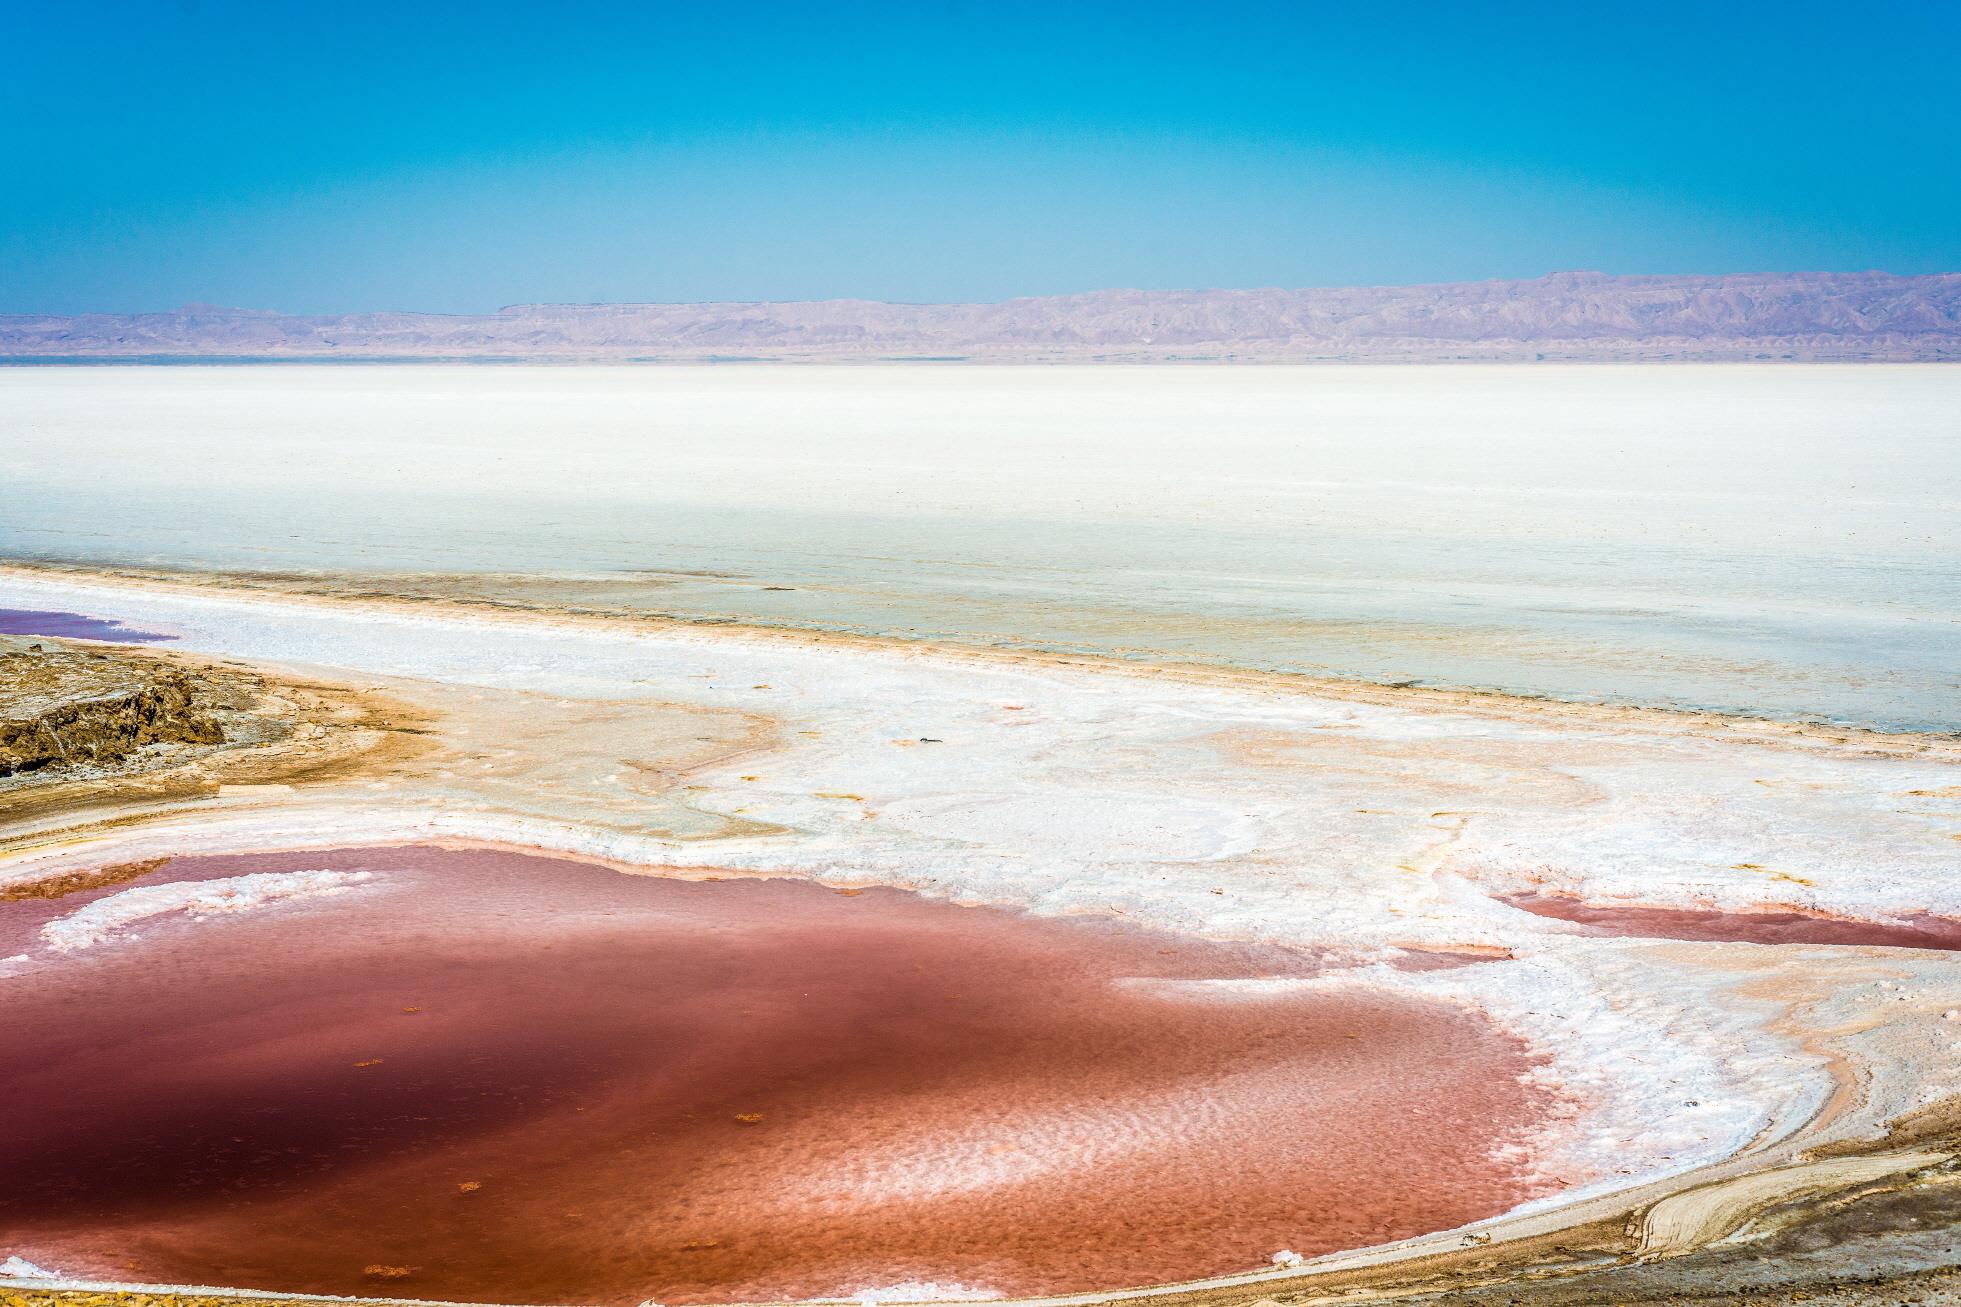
{"x": 372, "y": 595}
{"x": 1355, "y": 819}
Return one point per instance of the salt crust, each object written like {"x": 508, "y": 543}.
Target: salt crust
{"x": 918, "y": 1291}
{"x": 1370, "y": 830}
{"x": 108, "y": 918}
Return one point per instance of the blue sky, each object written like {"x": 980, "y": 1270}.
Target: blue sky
{"x": 331, "y": 157}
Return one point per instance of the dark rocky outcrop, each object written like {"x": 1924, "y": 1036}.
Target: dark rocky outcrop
{"x": 61, "y": 708}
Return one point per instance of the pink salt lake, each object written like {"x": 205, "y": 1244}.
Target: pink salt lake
{"x": 490, "y": 1076}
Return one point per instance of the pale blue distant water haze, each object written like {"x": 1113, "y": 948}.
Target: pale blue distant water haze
{"x": 1774, "y": 540}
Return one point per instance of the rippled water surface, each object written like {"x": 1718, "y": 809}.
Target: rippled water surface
{"x": 1774, "y": 539}
{"x": 491, "y": 1076}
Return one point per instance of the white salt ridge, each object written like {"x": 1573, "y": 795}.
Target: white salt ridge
{"x": 109, "y": 917}
{"x": 19, "y": 1268}
{"x": 1236, "y": 988}
{"x": 917, "y": 1291}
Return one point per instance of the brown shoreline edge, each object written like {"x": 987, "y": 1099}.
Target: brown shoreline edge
{"x": 1875, "y": 1204}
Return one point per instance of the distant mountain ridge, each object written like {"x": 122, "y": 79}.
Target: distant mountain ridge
{"x": 1571, "y": 316}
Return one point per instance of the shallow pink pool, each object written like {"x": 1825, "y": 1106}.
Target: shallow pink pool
{"x": 1711, "y": 926}
{"x": 490, "y": 1076}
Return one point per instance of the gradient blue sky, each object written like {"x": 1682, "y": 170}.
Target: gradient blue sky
{"x": 339, "y": 156}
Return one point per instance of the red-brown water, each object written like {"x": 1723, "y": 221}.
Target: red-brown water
{"x": 1708, "y": 925}
{"x": 492, "y": 1076}
{"x": 32, "y": 621}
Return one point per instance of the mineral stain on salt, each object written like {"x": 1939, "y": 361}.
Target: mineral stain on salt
{"x": 74, "y": 626}
{"x": 493, "y": 1076}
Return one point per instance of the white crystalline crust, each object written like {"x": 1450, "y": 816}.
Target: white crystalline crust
{"x": 920, "y": 1291}
{"x": 1363, "y": 829}
{"x": 110, "y": 917}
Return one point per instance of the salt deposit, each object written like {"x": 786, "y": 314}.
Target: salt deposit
{"x": 1358, "y": 826}
{"x": 111, "y": 917}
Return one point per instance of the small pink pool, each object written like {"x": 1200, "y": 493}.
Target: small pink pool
{"x": 1710, "y": 926}
{"x": 499, "y": 1077}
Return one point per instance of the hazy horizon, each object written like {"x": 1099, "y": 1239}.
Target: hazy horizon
{"x": 506, "y": 305}
{"x": 1854, "y": 317}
